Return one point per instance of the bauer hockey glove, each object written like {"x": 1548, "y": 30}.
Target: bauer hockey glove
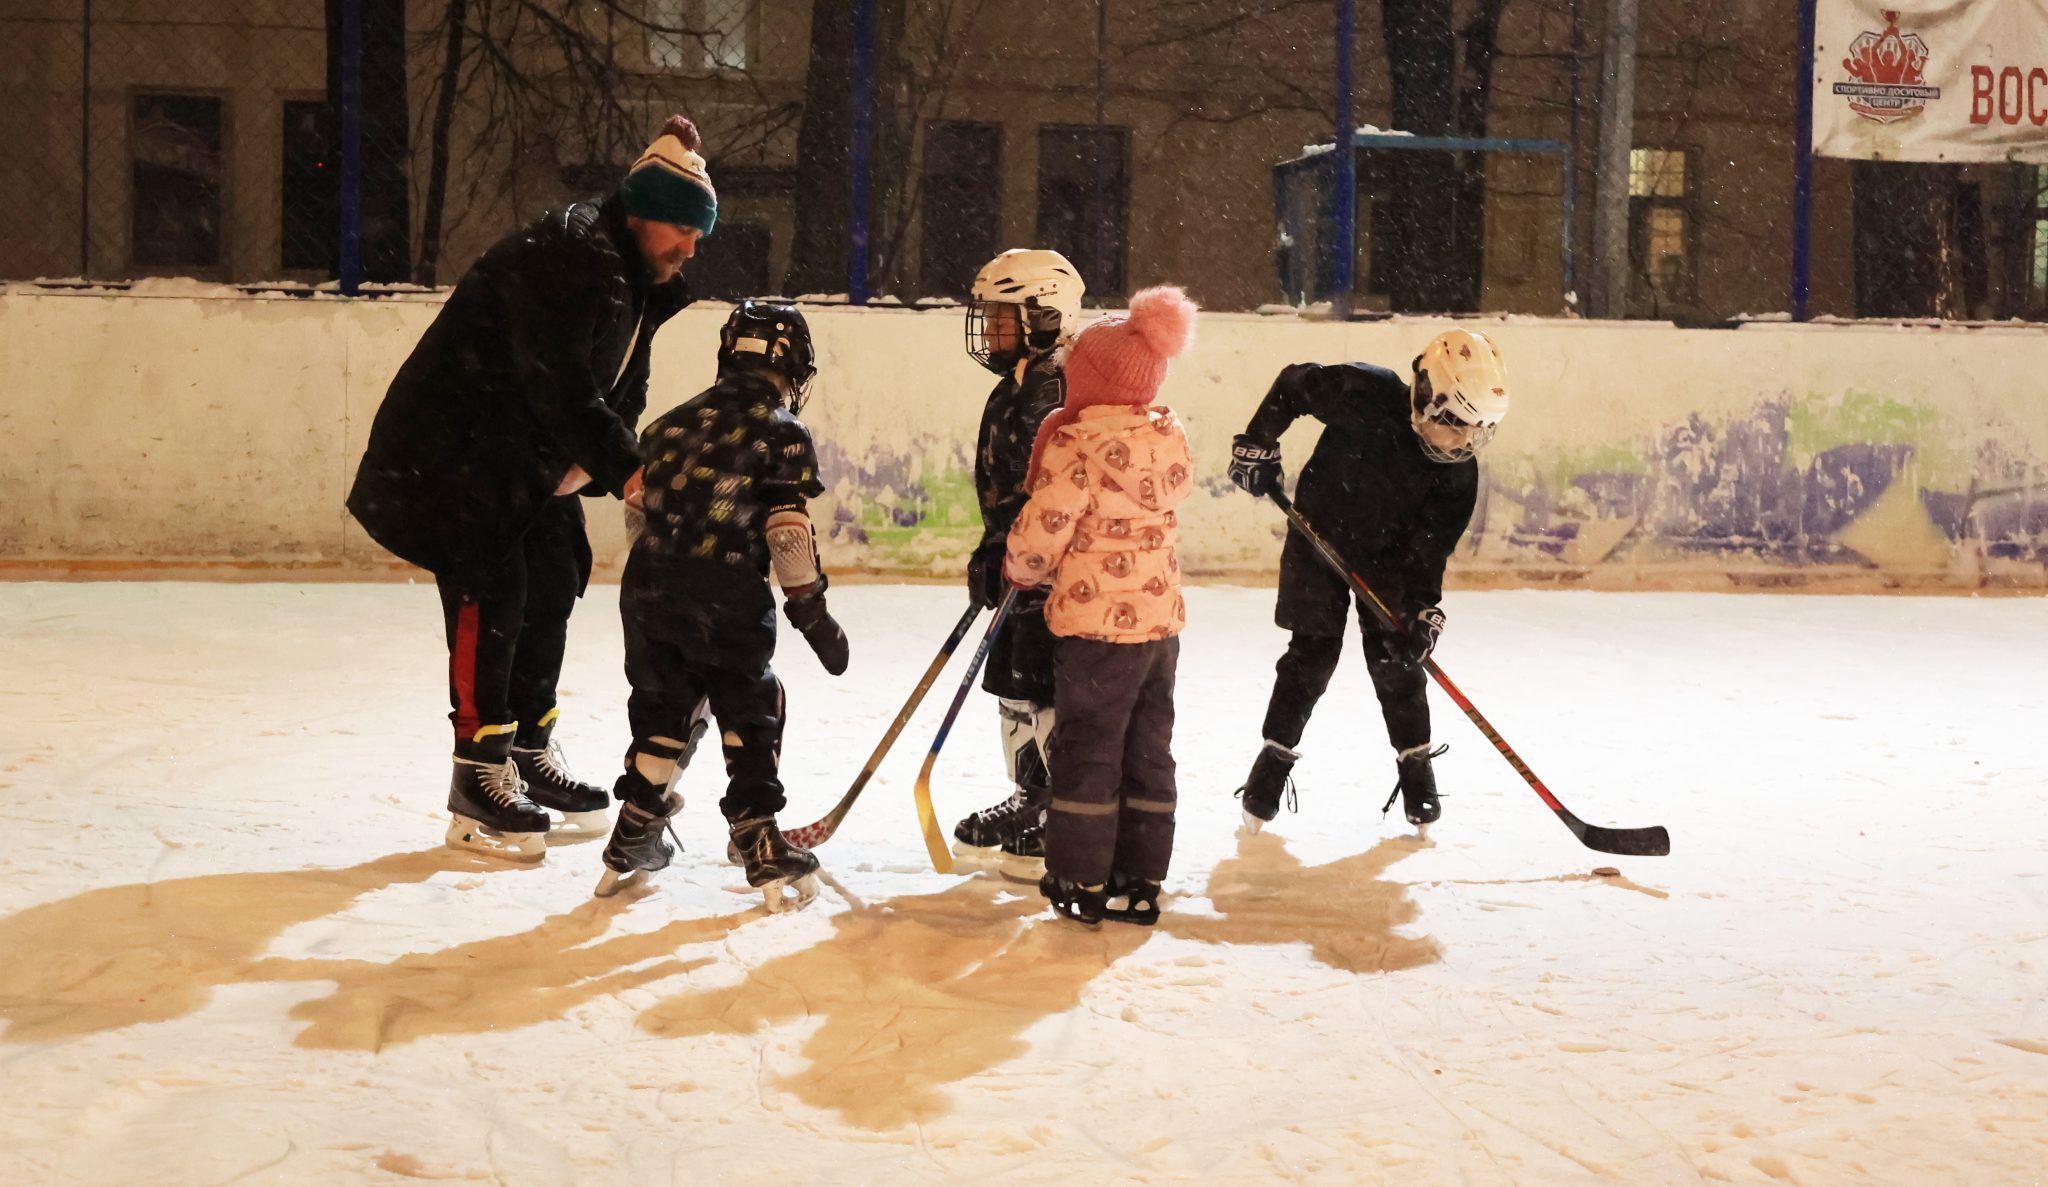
{"x": 808, "y": 615}
{"x": 1415, "y": 643}
{"x": 1255, "y": 465}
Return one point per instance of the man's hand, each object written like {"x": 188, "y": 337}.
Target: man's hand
{"x": 576, "y": 479}
{"x": 635, "y": 484}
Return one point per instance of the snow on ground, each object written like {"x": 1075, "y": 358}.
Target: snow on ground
{"x": 233, "y": 950}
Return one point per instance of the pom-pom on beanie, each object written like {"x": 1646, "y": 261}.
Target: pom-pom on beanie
{"x": 669, "y": 183}
{"x": 1122, "y": 358}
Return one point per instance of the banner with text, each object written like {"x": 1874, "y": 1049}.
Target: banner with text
{"x": 1936, "y": 80}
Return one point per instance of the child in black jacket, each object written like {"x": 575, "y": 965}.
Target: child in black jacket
{"x": 1391, "y": 485}
{"x": 728, "y": 476}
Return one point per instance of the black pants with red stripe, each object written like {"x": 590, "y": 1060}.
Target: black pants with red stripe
{"x": 507, "y": 632}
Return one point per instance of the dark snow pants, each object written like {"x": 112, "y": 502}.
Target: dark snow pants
{"x": 1112, "y": 760}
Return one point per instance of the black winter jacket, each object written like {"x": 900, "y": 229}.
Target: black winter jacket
{"x": 537, "y": 362}
{"x": 716, "y": 466}
{"x": 1009, "y": 426}
{"x": 1368, "y": 488}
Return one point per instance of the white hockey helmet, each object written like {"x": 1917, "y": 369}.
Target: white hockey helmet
{"x": 1047, "y": 290}
{"x": 1460, "y": 394}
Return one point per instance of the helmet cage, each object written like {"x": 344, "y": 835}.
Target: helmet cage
{"x": 1038, "y": 330}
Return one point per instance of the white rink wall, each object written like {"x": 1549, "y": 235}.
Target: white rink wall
{"x": 179, "y": 424}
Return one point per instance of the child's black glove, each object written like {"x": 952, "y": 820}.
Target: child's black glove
{"x": 1255, "y": 465}
{"x": 809, "y": 616}
{"x": 1413, "y": 644}
{"x": 985, "y": 583}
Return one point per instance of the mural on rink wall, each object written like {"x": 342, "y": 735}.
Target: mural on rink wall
{"x": 1636, "y": 454}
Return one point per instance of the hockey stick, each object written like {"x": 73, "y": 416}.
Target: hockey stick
{"x": 1633, "y": 842}
{"x": 927, "y": 819}
{"x": 810, "y": 836}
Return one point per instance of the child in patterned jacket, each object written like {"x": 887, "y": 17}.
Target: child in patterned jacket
{"x": 1107, "y": 470}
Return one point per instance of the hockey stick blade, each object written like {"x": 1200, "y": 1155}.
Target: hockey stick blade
{"x": 927, "y": 816}
{"x": 812, "y": 835}
{"x": 1628, "y": 842}
{"x": 1631, "y": 842}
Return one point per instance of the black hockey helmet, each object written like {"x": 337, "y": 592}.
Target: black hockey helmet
{"x": 770, "y": 335}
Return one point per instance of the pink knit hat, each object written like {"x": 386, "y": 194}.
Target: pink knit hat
{"x": 1121, "y": 359}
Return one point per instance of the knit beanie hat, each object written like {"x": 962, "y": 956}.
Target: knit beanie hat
{"x": 669, "y": 183}
{"x": 1121, "y": 358}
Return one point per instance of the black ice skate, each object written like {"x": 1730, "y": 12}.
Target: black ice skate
{"x": 1131, "y": 900}
{"x": 985, "y": 839}
{"x": 785, "y": 875}
{"x": 1022, "y": 853}
{"x": 637, "y": 847}
{"x": 1264, "y": 788}
{"x": 1071, "y": 900}
{"x": 978, "y": 839}
{"x": 583, "y": 807}
{"x": 487, "y": 803}
{"x": 1417, "y": 788}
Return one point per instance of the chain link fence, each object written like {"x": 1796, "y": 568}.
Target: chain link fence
{"x": 206, "y": 139}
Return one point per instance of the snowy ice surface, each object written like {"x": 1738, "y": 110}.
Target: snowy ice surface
{"x": 232, "y": 950}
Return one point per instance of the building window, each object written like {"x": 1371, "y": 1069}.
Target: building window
{"x": 311, "y": 188}
{"x": 177, "y": 169}
{"x": 962, "y": 205}
{"x": 699, "y": 34}
{"x": 1660, "y": 229}
{"x": 1084, "y": 194}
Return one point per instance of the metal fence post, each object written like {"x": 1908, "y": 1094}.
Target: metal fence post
{"x": 351, "y": 272}
{"x": 1344, "y": 204}
{"x": 863, "y": 99}
{"x": 1612, "y": 273}
{"x": 1802, "y": 167}
{"x": 85, "y": 147}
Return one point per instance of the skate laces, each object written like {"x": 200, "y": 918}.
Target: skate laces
{"x": 1001, "y": 811}
{"x": 552, "y": 762}
{"x": 501, "y": 782}
{"x": 1425, "y": 755}
{"x": 1286, "y": 794}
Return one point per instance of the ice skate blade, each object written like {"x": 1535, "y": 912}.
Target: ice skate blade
{"x": 1421, "y": 832}
{"x": 612, "y": 882}
{"x": 789, "y": 894}
{"x": 1017, "y": 868}
{"x": 1251, "y": 825}
{"x": 467, "y": 833}
{"x": 571, "y": 827}
{"x": 974, "y": 858}
{"x": 1145, "y": 915}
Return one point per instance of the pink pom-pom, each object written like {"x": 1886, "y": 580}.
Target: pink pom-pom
{"x": 682, "y": 129}
{"x": 1165, "y": 316}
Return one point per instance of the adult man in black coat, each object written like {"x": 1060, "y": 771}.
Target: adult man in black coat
{"x": 1391, "y": 485}
{"x": 522, "y": 395}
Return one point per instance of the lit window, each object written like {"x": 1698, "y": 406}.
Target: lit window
{"x": 699, "y": 34}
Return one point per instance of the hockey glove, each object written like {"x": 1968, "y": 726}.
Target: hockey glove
{"x": 985, "y": 584}
{"x": 1414, "y": 644}
{"x": 1255, "y": 465}
{"x": 809, "y": 616}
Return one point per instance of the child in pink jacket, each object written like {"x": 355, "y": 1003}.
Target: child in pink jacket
{"x": 1107, "y": 470}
